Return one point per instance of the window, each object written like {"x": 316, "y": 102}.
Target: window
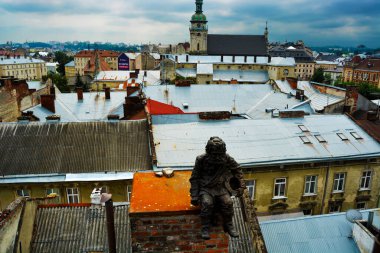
{"x": 342, "y": 137}
{"x": 311, "y": 185}
{"x": 129, "y": 193}
{"x": 52, "y": 190}
{"x": 356, "y": 135}
{"x": 320, "y": 138}
{"x": 365, "y": 180}
{"x": 338, "y": 182}
{"x": 334, "y": 208}
{"x": 23, "y": 193}
{"x": 307, "y": 212}
{"x": 305, "y": 140}
{"x": 279, "y": 187}
{"x": 72, "y": 195}
{"x": 303, "y": 128}
{"x": 251, "y": 188}
{"x": 361, "y": 205}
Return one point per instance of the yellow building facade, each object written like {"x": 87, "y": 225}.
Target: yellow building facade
{"x": 23, "y": 68}
{"x": 318, "y": 189}
{"x": 67, "y": 193}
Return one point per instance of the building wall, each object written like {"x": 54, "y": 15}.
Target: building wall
{"x": 70, "y": 71}
{"x": 304, "y": 71}
{"x": 372, "y": 77}
{"x": 80, "y": 63}
{"x": 326, "y": 66}
{"x": 27, "y": 71}
{"x": 204, "y": 79}
{"x": 145, "y": 62}
{"x": 295, "y": 187}
{"x": 348, "y": 74}
{"x": 8, "y": 192}
{"x": 281, "y": 72}
{"x": 198, "y": 42}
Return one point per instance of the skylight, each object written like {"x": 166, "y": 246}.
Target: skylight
{"x": 356, "y": 135}
{"x": 320, "y": 138}
{"x": 305, "y": 140}
{"x": 342, "y": 136}
{"x": 303, "y": 128}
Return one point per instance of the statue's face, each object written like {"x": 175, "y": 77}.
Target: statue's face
{"x": 216, "y": 157}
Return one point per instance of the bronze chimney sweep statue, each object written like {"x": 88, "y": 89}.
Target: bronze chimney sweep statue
{"x": 214, "y": 176}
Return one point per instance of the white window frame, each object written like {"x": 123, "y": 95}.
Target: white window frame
{"x": 71, "y": 196}
{"x": 251, "y": 187}
{"x": 129, "y": 192}
{"x": 24, "y": 193}
{"x": 308, "y": 185}
{"x": 366, "y": 179}
{"x": 279, "y": 183}
{"x": 341, "y": 177}
{"x": 52, "y": 190}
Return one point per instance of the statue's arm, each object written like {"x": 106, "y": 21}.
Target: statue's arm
{"x": 237, "y": 171}
{"x": 195, "y": 178}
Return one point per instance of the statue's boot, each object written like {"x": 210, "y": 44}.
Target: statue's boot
{"x": 229, "y": 227}
{"x": 205, "y": 234}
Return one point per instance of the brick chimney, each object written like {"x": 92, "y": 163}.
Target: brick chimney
{"x": 286, "y": 114}
{"x": 47, "y": 101}
{"x": 79, "y": 93}
{"x": 107, "y": 93}
{"x": 162, "y": 219}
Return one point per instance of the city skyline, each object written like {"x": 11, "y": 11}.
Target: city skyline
{"x": 336, "y": 22}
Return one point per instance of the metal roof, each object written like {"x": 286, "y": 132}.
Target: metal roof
{"x": 257, "y": 76}
{"x": 79, "y": 229}
{"x": 93, "y": 107}
{"x": 239, "y": 99}
{"x": 318, "y": 100}
{"x": 48, "y": 148}
{"x": 217, "y": 59}
{"x": 218, "y": 44}
{"x": 321, "y": 233}
{"x": 205, "y": 69}
{"x": 20, "y": 61}
{"x": 264, "y": 142}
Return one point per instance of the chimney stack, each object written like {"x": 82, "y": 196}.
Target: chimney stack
{"x": 47, "y": 101}
{"x": 187, "y": 58}
{"x": 107, "y": 92}
{"x": 269, "y": 59}
{"x": 221, "y": 58}
{"x": 255, "y": 58}
{"x": 245, "y": 59}
{"x": 233, "y": 58}
{"x": 79, "y": 93}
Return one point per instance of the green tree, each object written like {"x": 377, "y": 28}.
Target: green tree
{"x": 59, "y": 81}
{"x": 327, "y": 78}
{"x": 318, "y": 76}
{"x": 62, "y": 60}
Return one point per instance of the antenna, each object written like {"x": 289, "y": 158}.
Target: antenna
{"x": 353, "y": 215}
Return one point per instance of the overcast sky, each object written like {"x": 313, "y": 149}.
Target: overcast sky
{"x": 318, "y": 23}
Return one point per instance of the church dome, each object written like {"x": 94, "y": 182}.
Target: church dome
{"x": 198, "y": 17}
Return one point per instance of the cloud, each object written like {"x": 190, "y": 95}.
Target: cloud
{"x": 345, "y": 22}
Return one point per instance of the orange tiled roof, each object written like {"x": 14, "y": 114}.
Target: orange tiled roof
{"x": 153, "y": 194}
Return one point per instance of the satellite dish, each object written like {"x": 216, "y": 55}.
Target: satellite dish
{"x": 353, "y": 215}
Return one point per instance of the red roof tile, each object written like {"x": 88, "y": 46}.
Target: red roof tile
{"x": 158, "y": 108}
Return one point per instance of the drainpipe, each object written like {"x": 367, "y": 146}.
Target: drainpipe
{"x": 325, "y": 188}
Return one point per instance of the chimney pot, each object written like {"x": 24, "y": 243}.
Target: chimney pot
{"x": 255, "y": 58}
{"x": 107, "y": 91}
{"x": 221, "y": 58}
{"x": 79, "y": 93}
{"x": 47, "y": 101}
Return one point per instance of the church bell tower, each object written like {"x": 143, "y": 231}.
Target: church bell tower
{"x": 198, "y": 30}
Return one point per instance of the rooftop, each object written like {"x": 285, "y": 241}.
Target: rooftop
{"x": 79, "y": 229}
{"x": 93, "y": 107}
{"x": 20, "y": 60}
{"x": 238, "y": 99}
{"x": 66, "y": 148}
{"x": 266, "y": 142}
{"x": 320, "y": 233}
{"x": 228, "y": 59}
{"x": 220, "y": 44}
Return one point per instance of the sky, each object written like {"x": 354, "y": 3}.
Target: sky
{"x": 317, "y": 23}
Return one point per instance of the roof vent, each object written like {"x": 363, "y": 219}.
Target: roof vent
{"x": 96, "y": 196}
{"x": 185, "y": 105}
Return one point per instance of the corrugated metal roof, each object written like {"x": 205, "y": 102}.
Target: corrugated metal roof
{"x": 79, "y": 229}
{"x": 239, "y": 99}
{"x": 45, "y": 148}
{"x": 318, "y": 100}
{"x": 20, "y": 60}
{"x": 93, "y": 107}
{"x": 323, "y": 233}
{"x": 113, "y": 75}
{"x": 243, "y": 243}
{"x": 264, "y": 142}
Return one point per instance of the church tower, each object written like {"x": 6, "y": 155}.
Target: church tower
{"x": 266, "y": 33}
{"x": 198, "y": 30}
